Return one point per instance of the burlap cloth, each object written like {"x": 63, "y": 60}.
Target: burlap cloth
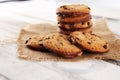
{"x": 100, "y": 28}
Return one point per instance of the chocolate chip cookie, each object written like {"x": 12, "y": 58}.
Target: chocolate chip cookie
{"x": 74, "y": 19}
{"x": 36, "y": 42}
{"x": 89, "y": 42}
{"x": 75, "y": 26}
{"x": 67, "y": 32}
{"x": 74, "y": 8}
{"x": 60, "y": 45}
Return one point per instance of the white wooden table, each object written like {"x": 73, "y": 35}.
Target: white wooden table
{"x": 14, "y": 16}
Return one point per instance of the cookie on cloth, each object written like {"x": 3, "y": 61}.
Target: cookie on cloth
{"x": 67, "y": 32}
{"x": 60, "y": 45}
{"x": 89, "y": 42}
{"x": 75, "y": 26}
{"x": 36, "y": 42}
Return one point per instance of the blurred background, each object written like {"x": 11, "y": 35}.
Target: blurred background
{"x": 15, "y": 14}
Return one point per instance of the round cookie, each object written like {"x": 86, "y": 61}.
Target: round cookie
{"x": 60, "y": 45}
{"x": 81, "y": 8}
{"x": 36, "y": 42}
{"x": 67, "y": 32}
{"x": 75, "y": 26}
{"x": 89, "y": 42}
{"x": 74, "y": 19}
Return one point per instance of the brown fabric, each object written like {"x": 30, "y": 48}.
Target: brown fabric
{"x": 99, "y": 27}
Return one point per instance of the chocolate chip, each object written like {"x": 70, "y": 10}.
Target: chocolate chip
{"x": 91, "y": 38}
{"x": 26, "y": 42}
{"x": 106, "y": 43}
{"x": 79, "y": 39}
{"x": 58, "y": 14}
{"x": 88, "y": 23}
{"x": 40, "y": 44}
{"x": 47, "y": 38}
{"x": 89, "y": 8}
{"x": 83, "y": 33}
{"x": 105, "y": 46}
{"x": 61, "y": 6}
{"x": 40, "y": 40}
{"x": 64, "y": 7}
{"x": 89, "y": 42}
{"x": 82, "y": 23}
{"x": 92, "y": 48}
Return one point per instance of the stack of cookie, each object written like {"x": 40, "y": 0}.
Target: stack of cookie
{"x": 74, "y": 18}
{"x": 75, "y": 21}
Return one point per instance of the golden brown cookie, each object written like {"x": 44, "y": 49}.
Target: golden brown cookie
{"x": 36, "y": 42}
{"x": 80, "y": 8}
{"x": 89, "y": 42}
{"x": 75, "y": 26}
{"x": 60, "y": 45}
{"x": 74, "y": 19}
{"x": 67, "y": 32}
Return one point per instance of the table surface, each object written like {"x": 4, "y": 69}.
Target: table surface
{"x": 14, "y": 16}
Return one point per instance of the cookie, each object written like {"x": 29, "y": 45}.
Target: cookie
{"x": 60, "y": 45}
{"x": 89, "y": 42}
{"x": 36, "y": 42}
{"x": 74, "y": 19}
{"x": 75, "y": 26}
{"x": 71, "y": 14}
{"x": 67, "y": 32}
{"x": 79, "y": 8}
